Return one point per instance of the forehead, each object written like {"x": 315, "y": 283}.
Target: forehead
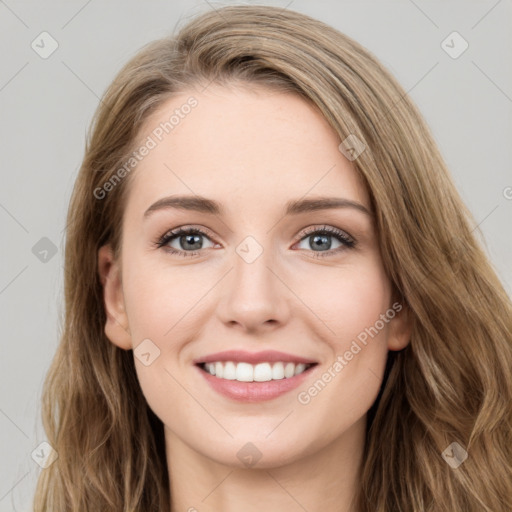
{"x": 247, "y": 148}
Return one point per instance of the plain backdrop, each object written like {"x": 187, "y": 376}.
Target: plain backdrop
{"x": 47, "y": 102}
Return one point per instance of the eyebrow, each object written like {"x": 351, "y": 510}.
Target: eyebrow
{"x": 295, "y": 207}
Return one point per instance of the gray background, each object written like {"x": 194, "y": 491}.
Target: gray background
{"x": 47, "y": 104}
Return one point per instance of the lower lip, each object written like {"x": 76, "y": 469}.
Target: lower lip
{"x": 254, "y": 391}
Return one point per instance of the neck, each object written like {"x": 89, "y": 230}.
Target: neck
{"x": 324, "y": 480}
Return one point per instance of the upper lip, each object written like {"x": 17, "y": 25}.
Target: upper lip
{"x": 242, "y": 356}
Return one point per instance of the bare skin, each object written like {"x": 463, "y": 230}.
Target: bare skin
{"x": 253, "y": 151}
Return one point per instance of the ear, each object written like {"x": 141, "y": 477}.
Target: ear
{"x": 400, "y": 327}
{"x": 116, "y": 326}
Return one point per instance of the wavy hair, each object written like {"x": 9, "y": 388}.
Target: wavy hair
{"x": 452, "y": 383}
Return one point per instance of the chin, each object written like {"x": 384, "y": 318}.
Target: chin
{"x": 258, "y": 453}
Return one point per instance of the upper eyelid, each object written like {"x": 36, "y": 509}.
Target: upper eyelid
{"x": 185, "y": 229}
{"x": 331, "y": 230}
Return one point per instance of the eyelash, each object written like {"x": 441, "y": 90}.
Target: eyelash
{"x": 347, "y": 241}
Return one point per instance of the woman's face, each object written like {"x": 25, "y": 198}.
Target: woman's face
{"x": 260, "y": 274}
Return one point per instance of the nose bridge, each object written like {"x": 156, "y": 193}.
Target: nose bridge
{"x": 253, "y": 294}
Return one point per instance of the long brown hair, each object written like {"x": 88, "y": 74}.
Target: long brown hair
{"x": 453, "y": 382}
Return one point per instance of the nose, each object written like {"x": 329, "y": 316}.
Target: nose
{"x": 254, "y": 297}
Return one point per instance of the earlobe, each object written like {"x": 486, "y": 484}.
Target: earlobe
{"x": 400, "y": 330}
{"x": 116, "y": 325}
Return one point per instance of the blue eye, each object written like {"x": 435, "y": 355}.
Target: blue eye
{"x": 190, "y": 241}
{"x": 320, "y": 238}
{"x": 187, "y": 238}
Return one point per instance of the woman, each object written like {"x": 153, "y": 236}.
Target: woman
{"x": 255, "y": 369}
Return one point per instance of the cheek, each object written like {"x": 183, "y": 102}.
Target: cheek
{"x": 355, "y": 312}
{"x": 159, "y": 301}
{"x": 346, "y": 300}
{"x": 161, "y": 306}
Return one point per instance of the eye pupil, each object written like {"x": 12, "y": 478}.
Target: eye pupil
{"x": 194, "y": 238}
{"x": 319, "y": 239}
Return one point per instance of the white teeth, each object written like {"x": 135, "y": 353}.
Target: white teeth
{"x": 229, "y": 371}
{"x": 299, "y": 368}
{"x": 244, "y": 372}
{"x": 278, "y": 371}
{"x": 261, "y": 372}
{"x": 289, "y": 370}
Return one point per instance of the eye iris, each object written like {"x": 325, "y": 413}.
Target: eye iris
{"x": 188, "y": 238}
{"x": 316, "y": 240}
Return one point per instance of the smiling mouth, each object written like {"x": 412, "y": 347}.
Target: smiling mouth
{"x": 261, "y": 372}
